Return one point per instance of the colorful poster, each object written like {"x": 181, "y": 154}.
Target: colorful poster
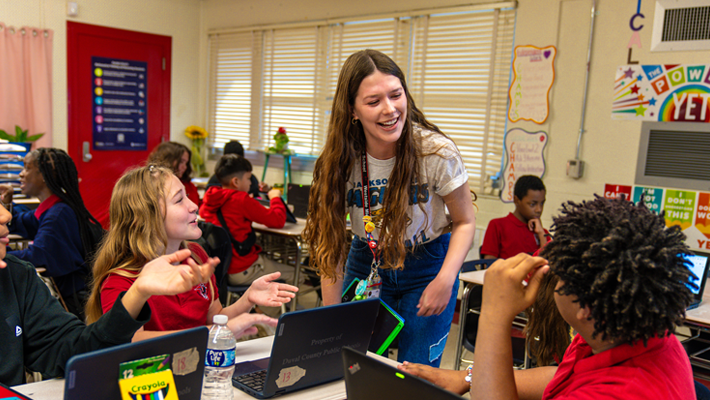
{"x": 534, "y": 73}
{"x": 702, "y": 221}
{"x": 652, "y": 197}
{"x": 616, "y": 191}
{"x": 523, "y": 157}
{"x": 120, "y": 117}
{"x": 662, "y": 93}
{"x": 679, "y": 206}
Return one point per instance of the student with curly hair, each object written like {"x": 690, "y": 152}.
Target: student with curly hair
{"x": 622, "y": 287}
{"x": 176, "y": 156}
{"x": 389, "y": 168}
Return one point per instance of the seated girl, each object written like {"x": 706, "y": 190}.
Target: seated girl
{"x": 151, "y": 216}
{"x": 63, "y": 231}
{"x": 176, "y": 156}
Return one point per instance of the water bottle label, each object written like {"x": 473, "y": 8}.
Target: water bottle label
{"x": 220, "y": 358}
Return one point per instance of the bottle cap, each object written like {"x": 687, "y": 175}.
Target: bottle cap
{"x": 220, "y": 319}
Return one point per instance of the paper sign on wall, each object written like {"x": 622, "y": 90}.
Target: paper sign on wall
{"x": 662, "y": 93}
{"x": 679, "y": 207}
{"x": 534, "y": 73}
{"x": 616, "y": 191}
{"x": 523, "y": 157}
{"x": 652, "y": 197}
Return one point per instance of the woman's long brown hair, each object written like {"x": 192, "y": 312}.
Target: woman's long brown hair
{"x": 548, "y": 335}
{"x": 325, "y": 230}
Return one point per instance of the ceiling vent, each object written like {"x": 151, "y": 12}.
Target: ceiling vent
{"x": 681, "y": 25}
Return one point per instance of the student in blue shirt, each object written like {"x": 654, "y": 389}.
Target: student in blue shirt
{"x": 63, "y": 232}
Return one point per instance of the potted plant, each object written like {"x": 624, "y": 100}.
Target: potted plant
{"x": 280, "y": 143}
{"x": 198, "y": 136}
{"x": 21, "y": 137}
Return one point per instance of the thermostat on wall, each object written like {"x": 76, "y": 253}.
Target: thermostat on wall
{"x": 575, "y": 168}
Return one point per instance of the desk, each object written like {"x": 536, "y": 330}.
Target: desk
{"x": 292, "y": 233}
{"x": 250, "y": 350}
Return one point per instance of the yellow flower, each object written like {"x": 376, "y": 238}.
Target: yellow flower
{"x": 195, "y": 132}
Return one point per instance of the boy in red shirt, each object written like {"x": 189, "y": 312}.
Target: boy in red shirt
{"x": 238, "y": 211}
{"x": 520, "y": 231}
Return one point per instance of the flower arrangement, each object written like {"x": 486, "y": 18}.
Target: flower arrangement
{"x": 280, "y": 143}
{"x": 198, "y": 136}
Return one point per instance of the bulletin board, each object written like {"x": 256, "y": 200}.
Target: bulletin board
{"x": 524, "y": 156}
{"x": 534, "y": 74}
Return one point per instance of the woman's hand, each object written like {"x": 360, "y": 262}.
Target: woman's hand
{"x": 6, "y": 193}
{"x": 453, "y": 381}
{"x": 435, "y": 298}
{"x": 243, "y": 324}
{"x": 265, "y": 292}
{"x": 161, "y": 277}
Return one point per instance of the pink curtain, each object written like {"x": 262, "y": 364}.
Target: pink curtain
{"x": 26, "y": 81}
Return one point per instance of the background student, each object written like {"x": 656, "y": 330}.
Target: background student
{"x": 176, "y": 156}
{"x": 41, "y": 336}
{"x": 520, "y": 231}
{"x": 255, "y": 188}
{"x": 413, "y": 172}
{"x": 151, "y": 216}
{"x": 239, "y": 210}
{"x": 63, "y": 232}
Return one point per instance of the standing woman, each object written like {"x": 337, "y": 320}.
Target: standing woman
{"x": 412, "y": 171}
{"x": 63, "y": 232}
{"x": 176, "y": 156}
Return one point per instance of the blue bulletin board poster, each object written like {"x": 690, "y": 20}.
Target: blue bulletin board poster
{"x": 653, "y": 197}
{"x": 120, "y": 116}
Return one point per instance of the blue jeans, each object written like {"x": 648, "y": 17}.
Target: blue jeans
{"x": 422, "y": 339}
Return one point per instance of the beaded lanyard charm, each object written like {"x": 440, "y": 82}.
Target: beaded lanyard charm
{"x": 371, "y": 286}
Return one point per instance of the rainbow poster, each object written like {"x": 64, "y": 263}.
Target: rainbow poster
{"x": 667, "y": 93}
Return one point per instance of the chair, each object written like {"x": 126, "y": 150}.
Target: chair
{"x": 215, "y": 241}
{"x": 468, "y": 330}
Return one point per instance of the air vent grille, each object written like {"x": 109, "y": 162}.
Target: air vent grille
{"x": 674, "y": 154}
{"x": 683, "y": 24}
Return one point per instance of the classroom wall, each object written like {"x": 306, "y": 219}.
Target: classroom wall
{"x": 609, "y": 148}
{"x": 177, "y": 18}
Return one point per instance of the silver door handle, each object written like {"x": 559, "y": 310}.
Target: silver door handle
{"x": 85, "y": 152}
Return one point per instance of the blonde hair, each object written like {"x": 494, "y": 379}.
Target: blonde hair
{"x": 137, "y": 234}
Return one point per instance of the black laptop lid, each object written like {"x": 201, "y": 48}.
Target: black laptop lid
{"x": 698, "y": 264}
{"x": 298, "y": 198}
{"x": 95, "y": 375}
{"x": 369, "y": 379}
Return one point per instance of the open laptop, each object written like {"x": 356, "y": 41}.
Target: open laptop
{"x": 306, "y": 349}
{"x": 369, "y": 379}
{"x": 698, "y": 264}
{"x": 95, "y": 375}
{"x": 290, "y": 217}
{"x": 298, "y": 198}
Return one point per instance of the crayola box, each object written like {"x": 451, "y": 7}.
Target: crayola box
{"x": 156, "y": 386}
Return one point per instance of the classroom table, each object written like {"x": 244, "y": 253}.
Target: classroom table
{"x": 468, "y": 279}
{"x": 250, "y": 350}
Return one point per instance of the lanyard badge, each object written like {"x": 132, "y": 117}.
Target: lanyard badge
{"x": 371, "y": 286}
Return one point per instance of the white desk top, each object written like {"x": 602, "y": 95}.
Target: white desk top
{"x": 289, "y": 229}
{"x": 696, "y": 316}
{"x": 246, "y": 351}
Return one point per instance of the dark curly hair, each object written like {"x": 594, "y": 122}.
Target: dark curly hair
{"x": 620, "y": 260}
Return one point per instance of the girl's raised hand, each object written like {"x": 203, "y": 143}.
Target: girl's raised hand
{"x": 265, "y": 292}
{"x": 243, "y": 324}
{"x": 161, "y": 277}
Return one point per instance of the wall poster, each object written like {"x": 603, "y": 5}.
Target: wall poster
{"x": 120, "y": 117}
{"x": 534, "y": 73}
{"x": 523, "y": 157}
{"x": 667, "y": 93}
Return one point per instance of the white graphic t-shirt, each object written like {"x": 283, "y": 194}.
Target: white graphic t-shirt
{"x": 440, "y": 174}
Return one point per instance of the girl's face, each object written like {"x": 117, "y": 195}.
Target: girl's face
{"x": 180, "y": 214}
{"x": 31, "y": 180}
{"x": 181, "y": 166}
{"x": 381, "y": 107}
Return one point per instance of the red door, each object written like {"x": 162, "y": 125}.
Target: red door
{"x": 109, "y": 134}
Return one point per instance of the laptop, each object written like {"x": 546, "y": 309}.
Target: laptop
{"x": 698, "y": 264}
{"x": 290, "y": 217}
{"x": 369, "y": 379}
{"x": 306, "y": 349}
{"x": 298, "y": 198}
{"x": 95, "y": 375}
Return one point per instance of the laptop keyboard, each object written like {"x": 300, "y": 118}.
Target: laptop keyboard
{"x": 254, "y": 381}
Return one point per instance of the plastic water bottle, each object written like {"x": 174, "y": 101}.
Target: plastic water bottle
{"x": 219, "y": 361}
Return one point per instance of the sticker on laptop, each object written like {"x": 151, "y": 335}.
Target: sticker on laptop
{"x": 186, "y": 361}
{"x": 289, "y": 376}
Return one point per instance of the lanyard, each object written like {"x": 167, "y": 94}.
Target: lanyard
{"x": 367, "y": 218}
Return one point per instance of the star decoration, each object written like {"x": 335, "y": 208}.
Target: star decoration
{"x": 635, "y": 89}
{"x": 640, "y": 110}
{"x": 652, "y": 102}
{"x": 639, "y": 78}
{"x": 640, "y": 97}
{"x": 629, "y": 73}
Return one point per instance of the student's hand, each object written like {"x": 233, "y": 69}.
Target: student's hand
{"x": 243, "y": 324}
{"x": 453, "y": 381}
{"x": 535, "y": 226}
{"x": 273, "y": 193}
{"x": 504, "y": 293}
{"x": 161, "y": 277}
{"x": 6, "y": 193}
{"x": 265, "y": 292}
{"x": 435, "y": 298}
{"x": 264, "y": 187}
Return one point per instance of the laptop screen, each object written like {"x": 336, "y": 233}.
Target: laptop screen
{"x": 697, "y": 263}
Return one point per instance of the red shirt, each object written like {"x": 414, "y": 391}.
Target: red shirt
{"x": 182, "y": 311}
{"x": 191, "y": 192}
{"x": 507, "y": 237}
{"x": 660, "y": 370}
{"x": 239, "y": 210}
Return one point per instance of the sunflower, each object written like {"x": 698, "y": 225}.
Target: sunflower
{"x": 195, "y": 132}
